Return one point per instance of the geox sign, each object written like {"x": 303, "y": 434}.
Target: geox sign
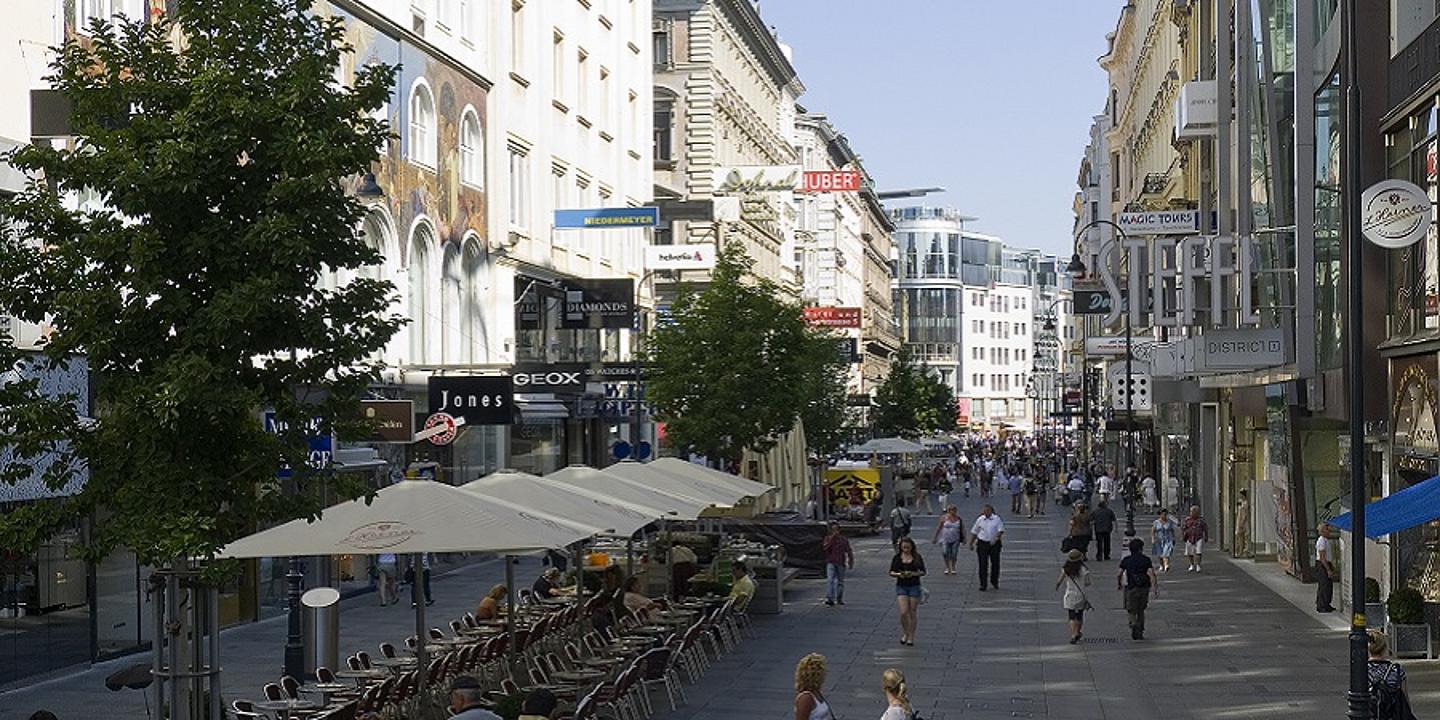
{"x": 540, "y": 378}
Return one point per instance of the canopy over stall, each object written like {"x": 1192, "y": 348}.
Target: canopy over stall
{"x": 674, "y": 483}
{"x": 604, "y": 516}
{"x": 626, "y": 491}
{"x": 746, "y": 488}
{"x": 413, "y": 517}
{"x": 1415, "y": 505}
{"x": 888, "y": 446}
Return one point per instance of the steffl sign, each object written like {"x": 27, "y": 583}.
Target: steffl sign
{"x": 1173, "y": 276}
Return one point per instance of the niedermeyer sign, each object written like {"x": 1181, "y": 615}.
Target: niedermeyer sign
{"x": 823, "y": 181}
{"x": 833, "y": 317}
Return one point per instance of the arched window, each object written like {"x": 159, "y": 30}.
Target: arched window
{"x": 378, "y": 236}
{"x": 475, "y": 291}
{"x": 422, "y": 310}
{"x": 423, "y": 145}
{"x": 453, "y": 332}
{"x": 472, "y": 150}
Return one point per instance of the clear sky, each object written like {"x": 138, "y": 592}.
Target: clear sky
{"x": 990, "y": 99}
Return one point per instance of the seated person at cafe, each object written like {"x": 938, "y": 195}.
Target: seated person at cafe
{"x": 743, "y": 588}
{"x": 635, "y": 601}
{"x": 490, "y": 606}
{"x": 540, "y": 704}
{"x": 547, "y": 585}
{"x": 683, "y": 565}
{"x": 467, "y": 700}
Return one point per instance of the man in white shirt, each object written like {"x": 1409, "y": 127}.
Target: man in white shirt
{"x": 1076, "y": 486}
{"x": 1324, "y": 571}
{"x": 985, "y": 537}
{"x": 1105, "y": 486}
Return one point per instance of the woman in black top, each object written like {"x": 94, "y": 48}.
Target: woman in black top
{"x": 907, "y": 568}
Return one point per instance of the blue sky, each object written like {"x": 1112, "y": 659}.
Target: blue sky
{"x": 990, "y": 99}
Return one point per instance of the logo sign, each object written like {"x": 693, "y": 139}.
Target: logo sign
{"x": 756, "y": 179}
{"x": 440, "y": 429}
{"x": 1159, "y": 222}
{"x": 592, "y": 304}
{"x": 393, "y": 421}
{"x": 823, "y": 181}
{"x": 1092, "y": 302}
{"x": 553, "y": 378}
{"x": 700, "y": 256}
{"x": 1231, "y": 350}
{"x": 477, "y": 399}
{"x": 321, "y": 447}
{"x": 1394, "y": 213}
{"x": 1110, "y": 345}
{"x": 379, "y": 535}
{"x": 607, "y": 218}
{"x": 833, "y": 317}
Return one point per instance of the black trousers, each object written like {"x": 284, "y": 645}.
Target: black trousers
{"x": 1324, "y": 590}
{"x": 1102, "y": 545}
{"x": 989, "y": 557}
{"x": 424, "y": 580}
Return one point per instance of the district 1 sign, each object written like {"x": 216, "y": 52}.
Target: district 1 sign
{"x": 1394, "y": 213}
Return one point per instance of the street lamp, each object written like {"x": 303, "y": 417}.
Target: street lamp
{"x": 1077, "y": 269}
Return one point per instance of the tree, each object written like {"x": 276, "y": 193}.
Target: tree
{"x": 191, "y": 286}
{"x": 912, "y": 401}
{"x": 825, "y": 416}
{"x": 735, "y": 365}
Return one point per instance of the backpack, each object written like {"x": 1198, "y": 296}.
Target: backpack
{"x": 1387, "y": 699}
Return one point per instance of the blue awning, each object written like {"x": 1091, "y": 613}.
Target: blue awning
{"x": 1415, "y": 505}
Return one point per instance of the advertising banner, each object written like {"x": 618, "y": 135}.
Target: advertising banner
{"x": 607, "y": 218}
{"x": 833, "y": 317}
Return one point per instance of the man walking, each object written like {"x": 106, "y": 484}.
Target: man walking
{"x": 1017, "y": 488}
{"x": 1195, "y": 532}
{"x": 1138, "y": 580}
{"x": 900, "y": 520}
{"x": 1103, "y": 521}
{"x": 1105, "y": 486}
{"x": 838, "y": 556}
{"x": 985, "y": 539}
{"x": 1325, "y": 573}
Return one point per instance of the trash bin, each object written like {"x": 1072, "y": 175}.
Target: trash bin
{"x": 322, "y": 628}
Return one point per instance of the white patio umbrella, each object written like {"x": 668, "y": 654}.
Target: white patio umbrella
{"x": 888, "y": 446}
{"x": 413, "y": 517}
{"x": 629, "y": 492}
{"x": 747, "y": 488}
{"x": 604, "y": 516}
{"x": 672, "y": 482}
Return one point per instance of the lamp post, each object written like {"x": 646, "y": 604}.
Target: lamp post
{"x": 1077, "y": 269}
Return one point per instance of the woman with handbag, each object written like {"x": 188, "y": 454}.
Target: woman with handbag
{"x": 1073, "y": 575}
{"x": 907, "y": 568}
{"x": 1389, "y": 696}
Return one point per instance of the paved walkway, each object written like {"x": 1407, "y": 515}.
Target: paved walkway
{"x": 1218, "y": 645}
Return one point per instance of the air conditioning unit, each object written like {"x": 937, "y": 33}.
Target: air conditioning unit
{"x": 504, "y": 244}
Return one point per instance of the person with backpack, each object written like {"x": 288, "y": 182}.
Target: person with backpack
{"x": 900, "y": 521}
{"x": 1389, "y": 697}
{"x": 1139, "y": 581}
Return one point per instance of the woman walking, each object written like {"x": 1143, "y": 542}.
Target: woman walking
{"x": 1080, "y": 531}
{"x": 1073, "y": 575}
{"x": 907, "y": 568}
{"x": 1162, "y": 538}
{"x": 1149, "y": 490}
{"x": 950, "y": 532}
{"x": 896, "y": 695}
{"x": 810, "y": 701}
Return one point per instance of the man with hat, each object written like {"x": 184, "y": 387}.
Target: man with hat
{"x": 466, "y": 700}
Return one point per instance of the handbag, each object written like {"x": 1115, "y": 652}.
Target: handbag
{"x": 924, "y": 595}
{"x": 1084, "y": 599}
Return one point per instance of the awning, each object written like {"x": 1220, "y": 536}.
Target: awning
{"x": 1415, "y": 505}
{"x": 541, "y": 407}
{"x": 888, "y": 446}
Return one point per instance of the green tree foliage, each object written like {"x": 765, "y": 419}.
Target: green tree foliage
{"x": 736, "y": 366}
{"x": 912, "y": 401}
{"x": 194, "y": 294}
{"x": 825, "y": 415}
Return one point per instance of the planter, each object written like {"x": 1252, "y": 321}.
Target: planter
{"x": 1410, "y": 641}
{"x": 1375, "y": 615}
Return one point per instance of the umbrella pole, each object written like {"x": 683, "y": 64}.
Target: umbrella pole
{"x": 580, "y": 595}
{"x": 422, "y": 638}
{"x": 510, "y": 610}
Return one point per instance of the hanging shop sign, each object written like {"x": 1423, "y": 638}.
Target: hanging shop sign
{"x": 1170, "y": 273}
{"x": 1195, "y": 109}
{"x": 699, "y": 256}
{"x": 1159, "y": 222}
{"x": 557, "y": 378}
{"x": 1108, "y": 345}
{"x": 477, "y": 399}
{"x": 824, "y": 181}
{"x": 745, "y": 179}
{"x": 1091, "y": 302}
{"x": 1240, "y": 349}
{"x": 392, "y": 421}
{"x": 320, "y": 447}
{"x": 1394, "y": 213}
{"x": 607, "y": 218}
{"x": 1413, "y": 411}
{"x": 833, "y": 317}
{"x": 595, "y": 303}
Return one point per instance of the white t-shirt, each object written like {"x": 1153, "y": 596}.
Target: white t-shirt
{"x": 1322, "y": 545}
{"x": 987, "y": 529}
{"x": 1076, "y": 484}
{"x": 1105, "y": 484}
{"x": 895, "y": 712}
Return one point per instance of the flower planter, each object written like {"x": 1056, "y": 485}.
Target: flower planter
{"x": 1410, "y": 641}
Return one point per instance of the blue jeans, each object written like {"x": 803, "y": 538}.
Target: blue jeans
{"x": 835, "y": 582}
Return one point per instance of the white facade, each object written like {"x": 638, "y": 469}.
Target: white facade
{"x": 997, "y": 343}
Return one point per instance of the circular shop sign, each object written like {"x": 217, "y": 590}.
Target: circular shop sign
{"x": 441, "y": 419}
{"x": 1394, "y": 213}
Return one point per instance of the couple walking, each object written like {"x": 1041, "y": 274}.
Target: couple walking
{"x": 1137, "y": 580}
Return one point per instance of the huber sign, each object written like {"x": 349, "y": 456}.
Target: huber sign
{"x": 823, "y": 181}
{"x": 1394, "y": 213}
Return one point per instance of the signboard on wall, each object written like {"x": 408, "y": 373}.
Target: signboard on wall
{"x": 833, "y": 317}
{"x": 479, "y": 399}
{"x": 1159, "y": 222}
{"x": 607, "y": 218}
{"x": 744, "y": 179}
{"x": 598, "y": 303}
{"x": 823, "y": 181}
{"x": 697, "y": 256}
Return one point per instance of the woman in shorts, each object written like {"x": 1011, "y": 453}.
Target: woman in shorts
{"x": 907, "y": 568}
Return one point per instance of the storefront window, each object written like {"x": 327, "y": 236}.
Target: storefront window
{"x": 44, "y": 615}
{"x": 1328, "y": 281}
{"x": 1414, "y": 298}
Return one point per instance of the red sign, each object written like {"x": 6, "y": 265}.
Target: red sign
{"x": 962, "y": 411}
{"x": 443, "y": 426}
{"x": 833, "y": 317}
{"x": 820, "y": 181}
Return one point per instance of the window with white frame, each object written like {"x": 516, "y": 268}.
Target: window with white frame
{"x": 582, "y": 82}
{"x": 421, "y": 308}
{"x": 517, "y": 37}
{"x": 447, "y": 14}
{"x": 467, "y": 21}
{"x": 88, "y": 11}
{"x": 473, "y": 318}
{"x": 423, "y": 141}
{"x": 472, "y": 149}
{"x": 454, "y": 335}
{"x": 557, "y": 61}
{"x": 519, "y": 171}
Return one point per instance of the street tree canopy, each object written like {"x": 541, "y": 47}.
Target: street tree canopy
{"x": 912, "y": 401}
{"x": 190, "y": 279}
{"x": 734, "y": 366}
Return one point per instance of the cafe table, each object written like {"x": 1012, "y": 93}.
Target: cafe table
{"x": 289, "y": 706}
{"x": 371, "y": 674}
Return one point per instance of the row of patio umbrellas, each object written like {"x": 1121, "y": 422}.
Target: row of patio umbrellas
{"x": 506, "y": 513}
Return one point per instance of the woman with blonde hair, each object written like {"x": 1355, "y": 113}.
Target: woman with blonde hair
{"x": 810, "y": 701}
{"x": 897, "y": 695}
{"x": 490, "y": 606}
